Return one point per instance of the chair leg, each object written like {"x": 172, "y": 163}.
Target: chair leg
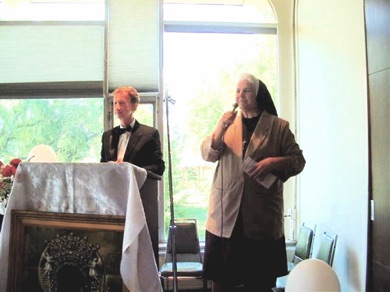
{"x": 162, "y": 283}
{"x": 205, "y": 282}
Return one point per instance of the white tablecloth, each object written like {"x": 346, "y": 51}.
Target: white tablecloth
{"x": 88, "y": 188}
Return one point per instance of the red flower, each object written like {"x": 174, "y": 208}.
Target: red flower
{"x": 8, "y": 170}
{"x": 15, "y": 162}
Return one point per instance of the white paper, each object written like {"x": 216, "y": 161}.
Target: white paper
{"x": 265, "y": 180}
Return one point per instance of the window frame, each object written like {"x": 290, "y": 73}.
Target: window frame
{"x": 171, "y": 26}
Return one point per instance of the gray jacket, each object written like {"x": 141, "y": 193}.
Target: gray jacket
{"x": 262, "y": 208}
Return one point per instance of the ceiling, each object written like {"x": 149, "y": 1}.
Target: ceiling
{"x": 210, "y": 2}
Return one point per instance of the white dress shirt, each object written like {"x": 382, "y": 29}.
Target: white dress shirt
{"x": 123, "y": 141}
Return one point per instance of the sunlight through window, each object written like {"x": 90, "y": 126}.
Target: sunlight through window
{"x": 205, "y": 48}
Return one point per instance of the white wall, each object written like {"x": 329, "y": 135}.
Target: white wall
{"x": 284, "y": 11}
{"x": 333, "y": 129}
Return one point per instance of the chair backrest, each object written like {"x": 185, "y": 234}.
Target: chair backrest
{"x": 304, "y": 244}
{"x": 327, "y": 248}
{"x": 187, "y": 244}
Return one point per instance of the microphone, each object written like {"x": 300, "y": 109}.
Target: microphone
{"x": 235, "y": 105}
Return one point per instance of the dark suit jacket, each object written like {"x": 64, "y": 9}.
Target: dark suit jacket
{"x": 143, "y": 149}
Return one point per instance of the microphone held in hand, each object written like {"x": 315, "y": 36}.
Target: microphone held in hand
{"x": 235, "y": 105}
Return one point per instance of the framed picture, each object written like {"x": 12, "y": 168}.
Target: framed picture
{"x": 65, "y": 252}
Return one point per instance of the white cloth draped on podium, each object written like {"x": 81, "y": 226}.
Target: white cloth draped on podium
{"x": 88, "y": 188}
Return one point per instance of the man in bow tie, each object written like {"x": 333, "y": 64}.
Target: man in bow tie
{"x": 131, "y": 141}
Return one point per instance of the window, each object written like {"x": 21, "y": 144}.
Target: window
{"x": 25, "y": 123}
{"x": 205, "y": 48}
{"x": 55, "y": 77}
{"x": 71, "y": 126}
{"x": 51, "y": 76}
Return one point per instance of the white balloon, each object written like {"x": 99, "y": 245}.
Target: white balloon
{"x": 42, "y": 153}
{"x": 312, "y": 275}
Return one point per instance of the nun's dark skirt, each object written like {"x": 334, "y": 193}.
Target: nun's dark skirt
{"x": 237, "y": 260}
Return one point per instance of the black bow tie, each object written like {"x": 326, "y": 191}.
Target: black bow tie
{"x": 120, "y": 131}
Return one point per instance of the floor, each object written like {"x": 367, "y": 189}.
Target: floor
{"x": 238, "y": 289}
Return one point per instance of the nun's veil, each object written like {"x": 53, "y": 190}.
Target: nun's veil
{"x": 264, "y": 99}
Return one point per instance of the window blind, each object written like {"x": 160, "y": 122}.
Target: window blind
{"x": 133, "y": 47}
{"x": 46, "y": 58}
